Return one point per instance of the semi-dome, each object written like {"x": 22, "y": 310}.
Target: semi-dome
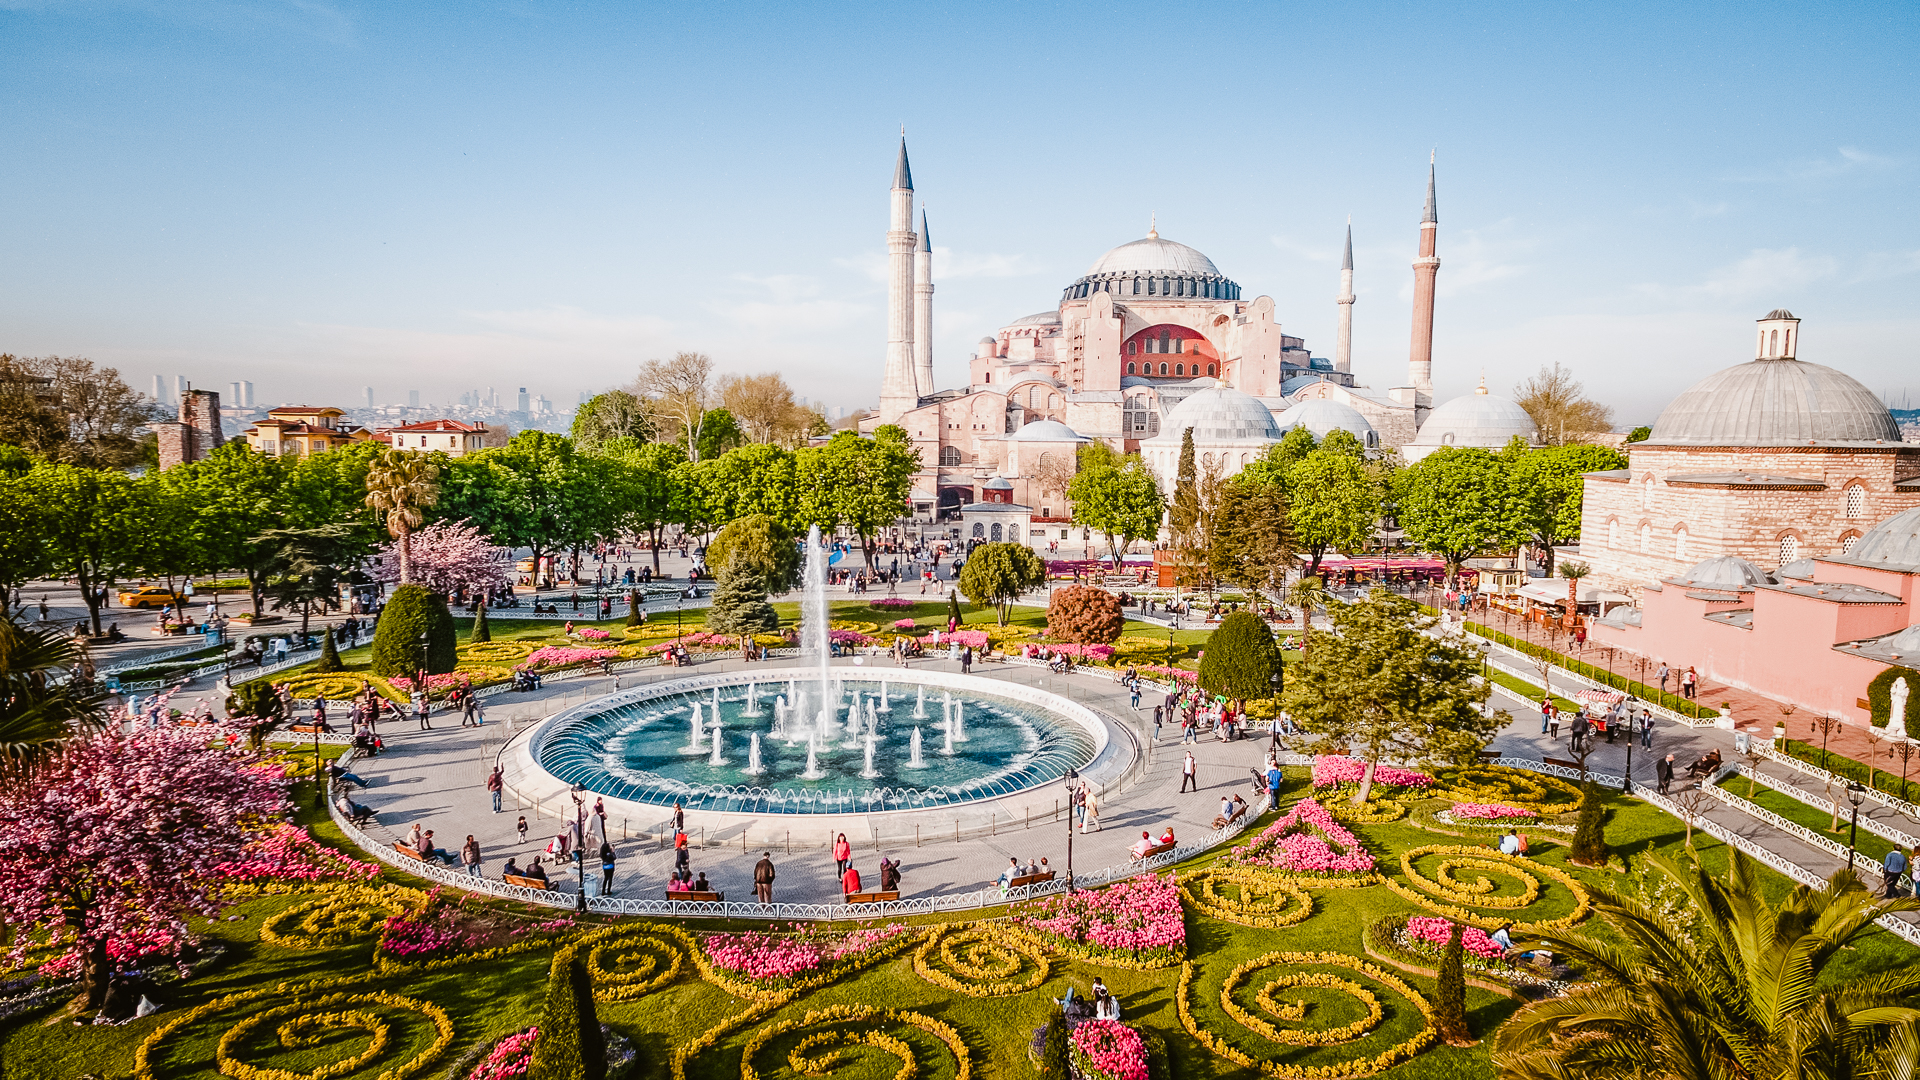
{"x": 1726, "y": 573}
{"x": 1477, "y": 419}
{"x": 1048, "y": 431}
{"x": 1894, "y": 544}
{"x": 1775, "y": 402}
{"x": 1220, "y": 414}
{"x": 1154, "y": 254}
{"x": 1322, "y": 416}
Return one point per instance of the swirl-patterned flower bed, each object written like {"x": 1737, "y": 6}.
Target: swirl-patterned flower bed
{"x": 1484, "y": 888}
{"x": 314, "y": 1030}
{"x": 1306, "y": 841}
{"x": 982, "y": 960}
{"x": 1136, "y": 923}
{"x": 1302, "y": 1015}
{"x": 1522, "y": 788}
{"x": 854, "y": 1037}
{"x": 1108, "y": 1050}
{"x": 781, "y": 961}
{"x": 1248, "y": 896}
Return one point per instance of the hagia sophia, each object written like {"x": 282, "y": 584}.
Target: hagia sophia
{"x": 1766, "y": 533}
{"x": 1152, "y": 340}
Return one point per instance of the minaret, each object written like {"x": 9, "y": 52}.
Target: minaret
{"x": 1425, "y": 268}
{"x": 1343, "y": 349}
{"x": 923, "y": 311}
{"x": 897, "y": 390}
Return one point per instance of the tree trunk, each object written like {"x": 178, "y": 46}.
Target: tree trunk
{"x": 654, "y": 535}
{"x": 406, "y": 554}
{"x": 95, "y": 971}
{"x": 1366, "y": 783}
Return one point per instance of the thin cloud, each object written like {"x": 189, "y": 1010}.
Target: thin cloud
{"x": 1762, "y": 273}
{"x": 951, "y": 264}
{"x": 793, "y": 302}
{"x": 1845, "y": 162}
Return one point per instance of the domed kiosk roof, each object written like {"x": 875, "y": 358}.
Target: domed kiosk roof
{"x": 1775, "y": 402}
{"x": 1048, "y": 431}
{"x": 1322, "y": 416}
{"x": 1894, "y": 544}
{"x": 1153, "y": 255}
{"x": 1477, "y": 419}
{"x": 1220, "y": 414}
{"x": 1724, "y": 573}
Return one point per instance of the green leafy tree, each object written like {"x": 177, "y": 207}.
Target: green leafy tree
{"x": 1241, "y": 659}
{"x": 616, "y": 414}
{"x": 1123, "y": 501}
{"x": 1084, "y": 615}
{"x": 256, "y": 699}
{"x": 997, "y": 574}
{"x": 1384, "y": 688}
{"x": 748, "y": 480}
{"x": 719, "y": 433}
{"x": 23, "y": 550}
{"x": 535, "y": 492}
{"x": 1548, "y": 485}
{"x": 481, "y": 631}
{"x": 308, "y": 566}
{"x": 1590, "y": 835}
{"x": 93, "y": 522}
{"x": 740, "y": 602}
{"x": 1184, "y": 515}
{"x": 1731, "y": 984}
{"x": 570, "y": 1046}
{"x": 1640, "y": 434}
{"x": 1253, "y": 543}
{"x": 760, "y": 544}
{"x": 953, "y": 607}
{"x": 1450, "y": 997}
{"x": 1333, "y": 502}
{"x": 410, "y": 612}
{"x": 1458, "y": 502}
{"x": 237, "y": 494}
{"x": 37, "y": 711}
{"x": 645, "y": 483}
{"x": 1309, "y": 594}
{"x": 857, "y": 483}
{"x": 167, "y": 547}
{"x": 635, "y": 616}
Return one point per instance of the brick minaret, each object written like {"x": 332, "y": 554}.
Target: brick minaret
{"x": 196, "y": 433}
{"x": 1425, "y": 269}
{"x": 923, "y": 310}
{"x": 1343, "y": 348}
{"x": 898, "y": 391}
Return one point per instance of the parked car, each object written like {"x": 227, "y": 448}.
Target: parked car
{"x": 152, "y": 596}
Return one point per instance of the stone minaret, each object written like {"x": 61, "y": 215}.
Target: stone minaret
{"x": 1425, "y": 269}
{"x": 1343, "y": 349}
{"x": 923, "y": 311}
{"x": 898, "y": 392}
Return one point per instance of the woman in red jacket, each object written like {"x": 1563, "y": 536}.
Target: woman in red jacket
{"x": 842, "y": 856}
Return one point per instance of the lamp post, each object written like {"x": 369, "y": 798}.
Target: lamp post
{"x": 1626, "y": 783}
{"x": 1072, "y": 781}
{"x": 319, "y": 785}
{"x": 1855, "y": 795}
{"x": 580, "y": 849}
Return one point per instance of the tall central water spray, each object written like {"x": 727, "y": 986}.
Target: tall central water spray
{"x": 813, "y": 620}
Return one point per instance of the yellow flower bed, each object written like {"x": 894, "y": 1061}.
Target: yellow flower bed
{"x": 1445, "y": 894}
{"x": 495, "y": 652}
{"x": 1375, "y": 811}
{"x": 1296, "y": 1011}
{"x": 629, "y": 962}
{"x": 308, "y": 1019}
{"x": 1261, "y": 898}
{"x": 1500, "y": 784}
{"x": 339, "y": 914}
{"x": 858, "y": 626}
{"x": 333, "y": 686}
{"x": 985, "y": 957}
{"x": 807, "y": 1059}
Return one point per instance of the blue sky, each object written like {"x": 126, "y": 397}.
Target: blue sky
{"x": 321, "y": 196}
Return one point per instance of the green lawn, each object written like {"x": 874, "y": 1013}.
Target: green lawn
{"x": 491, "y": 997}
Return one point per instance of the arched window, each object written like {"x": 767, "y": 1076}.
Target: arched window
{"x": 1856, "y": 501}
{"x": 1773, "y": 343}
{"x": 1613, "y": 533}
{"x": 997, "y": 535}
{"x": 1133, "y": 348}
{"x": 979, "y": 531}
{"x": 1165, "y": 336}
{"x": 1150, "y": 287}
{"x": 1789, "y": 547}
{"x": 1179, "y": 369}
{"x": 1136, "y": 286}
{"x": 1053, "y": 401}
{"x": 1846, "y": 545}
{"x": 1789, "y": 351}
{"x": 1680, "y": 542}
{"x": 949, "y": 455}
{"x": 1163, "y": 369}
{"x": 1209, "y": 369}
{"x": 1646, "y": 537}
{"x": 1646, "y": 493}
{"x": 1179, "y": 345}
{"x": 1130, "y": 369}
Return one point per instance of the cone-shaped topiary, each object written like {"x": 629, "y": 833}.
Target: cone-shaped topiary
{"x": 481, "y": 631}
{"x": 410, "y": 612}
{"x": 1240, "y": 659}
{"x": 953, "y": 606}
{"x": 329, "y": 661}
{"x": 740, "y": 602}
{"x": 570, "y": 1046}
{"x": 1590, "y": 834}
{"x": 634, "y": 616}
{"x": 1085, "y": 615}
{"x": 256, "y": 698}
{"x": 1053, "y": 1049}
{"x": 1450, "y": 999}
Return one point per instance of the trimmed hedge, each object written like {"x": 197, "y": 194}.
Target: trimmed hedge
{"x": 570, "y": 1046}
{"x": 481, "y": 631}
{"x": 1085, "y": 616}
{"x": 1841, "y": 765}
{"x": 1241, "y": 658}
{"x": 1880, "y": 696}
{"x": 1600, "y": 675}
{"x": 329, "y": 661}
{"x": 411, "y": 611}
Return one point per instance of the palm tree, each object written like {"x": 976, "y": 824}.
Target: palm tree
{"x": 1573, "y": 572}
{"x": 35, "y": 712}
{"x": 1728, "y": 990}
{"x": 401, "y": 485}
{"x": 1308, "y": 593}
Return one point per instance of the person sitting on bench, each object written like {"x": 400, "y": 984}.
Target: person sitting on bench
{"x": 510, "y": 870}
{"x": 355, "y": 812}
{"x": 1141, "y": 846}
{"x": 1012, "y": 871}
{"x": 700, "y": 883}
{"x": 1166, "y": 837}
{"x": 1706, "y": 765}
{"x": 536, "y": 871}
{"x": 675, "y": 883}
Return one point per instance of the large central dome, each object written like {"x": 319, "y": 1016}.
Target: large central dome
{"x": 1154, "y": 255}
{"x": 1775, "y": 402}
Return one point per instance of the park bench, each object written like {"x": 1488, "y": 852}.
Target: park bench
{"x": 402, "y": 847}
{"x": 526, "y": 882}
{"x": 1562, "y": 762}
{"x": 1484, "y": 756}
{"x": 1030, "y": 879}
{"x": 874, "y": 897}
{"x": 1157, "y": 849}
{"x": 308, "y": 729}
{"x": 691, "y": 895}
{"x": 1239, "y": 811}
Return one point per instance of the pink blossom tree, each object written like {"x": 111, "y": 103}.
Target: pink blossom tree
{"x": 446, "y": 557}
{"x": 115, "y": 838}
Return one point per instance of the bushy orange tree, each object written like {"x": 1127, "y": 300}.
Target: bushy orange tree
{"x": 1085, "y": 615}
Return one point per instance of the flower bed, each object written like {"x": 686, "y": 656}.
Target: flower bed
{"x": 436, "y": 684}
{"x": 1429, "y": 934}
{"x": 287, "y": 853}
{"x": 776, "y": 961}
{"x": 508, "y": 1058}
{"x": 1296, "y": 1012}
{"x": 1513, "y": 787}
{"x": 559, "y": 656}
{"x": 591, "y": 633}
{"x": 438, "y": 933}
{"x": 981, "y": 960}
{"x": 1497, "y": 812}
{"x": 1098, "y": 654}
{"x": 1330, "y": 771}
{"x": 890, "y": 603}
{"x": 1135, "y": 923}
{"x": 972, "y": 639}
{"x": 905, "y": 625}
{"x": 1170, "y": 674}
{"x": 1252, "y": 897}
{"x": 1447, "y": 894}
{"x": 1108, "y": 1050}
{"x": 1306, "y": 841}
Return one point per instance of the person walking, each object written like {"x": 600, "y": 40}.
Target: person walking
{"x": 1187, "y": 773}
{"x": 420, "y": 712}
{"x": 1159, "y": 713}
{"x": 763, "y": 878}
{"x": 679, "y": 817}
{"x": 682, "y": 858}
{"x": 1090, "y": 807}
{"x": 842, "y": 854}
{"x": 494, "y": 786}
{"x": 1646, "y": 729}
{"x": 1274, "y": 776}
{"x": 1546, "y": 713}
{"x": 606, "y": 868}
{"x": 1663, "y": 773}
{"x": 1891, "y": 869}
{"x": 470, "y": 856}
{"x": 469, "y": 711}
{"x": 966, "y": 660}
{"x": 1663, "y": 672}
{"x": 1689, "y": 682}
{"x": 1134, "y": 689}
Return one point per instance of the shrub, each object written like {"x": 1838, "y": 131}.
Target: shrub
{"x": 740, "y": 601}
{"x": 481, "y": 632}
{"x": 1880, "y": 690}
{"x": 1241, "y": 659}
{"x": 633, "y": 608}
{"x": 1590, "y": 835}
{"x": 953, "y": 606}
{"x": 410, "y": 612}
{"x": 1450, "y": 999}
{"x": 329, "y": 661}
{"x": 570, "y": 1046}
{"x": 1053, "y": 1053}
{"x": 1084, "y": 615}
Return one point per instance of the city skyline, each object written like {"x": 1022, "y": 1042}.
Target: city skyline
{"x": 304, "y": 198}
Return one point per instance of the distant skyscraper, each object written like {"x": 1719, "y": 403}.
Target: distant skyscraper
{"x": 491, "y": 402}
{"x": 234, "y": 395}
{"x": 247, "y": 388}
{"x": 181, "y": 387}
{"x": 367, "y": 392}
{"x": 520, "y": 403}
{"x": 160, "y": 389}
{"x": 413, "y": 399}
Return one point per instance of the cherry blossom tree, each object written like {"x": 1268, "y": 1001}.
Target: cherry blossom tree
{"x": 113, "y": 838}
{"x": 446, "y": 557}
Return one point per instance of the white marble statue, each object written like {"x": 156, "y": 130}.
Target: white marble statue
{"x": 1897, "y": 710}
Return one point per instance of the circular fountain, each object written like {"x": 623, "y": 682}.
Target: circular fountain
{"x": 980, "y": 752}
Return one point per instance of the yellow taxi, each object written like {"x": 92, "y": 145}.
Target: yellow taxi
{"x": 151, "y": 596}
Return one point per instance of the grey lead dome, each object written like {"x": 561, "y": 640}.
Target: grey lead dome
{"x": 1894, "y": 544}
{"x": 1776, "y": 402}
{"x": 1154, "y": 255}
